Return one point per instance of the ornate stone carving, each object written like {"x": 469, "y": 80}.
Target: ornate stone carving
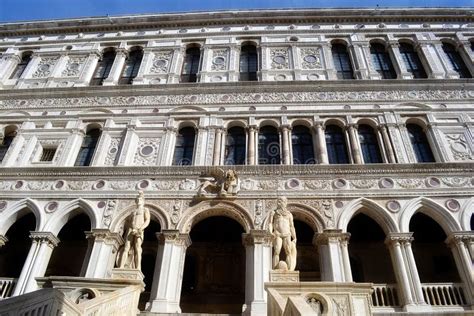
{"x": 317, "y": 184}
{"x": 147, "y": 152}
{"x": 45, "y": 67}
{"x": 279, "y": 58}
{"x": 455, "y": 182}
{"x": 74, "y": 66}
{"x": 109, "y": 212}
{"x": 310, "y": 58}
{"x": 112, "y": 152}
{"x": 459, "y": 147}
{"x": 220, "y": 182}
{"x": 341, "y": 307}
{"x": 161, "y": 62}
{"x": 363, "y": 183}
{"x": 219, "y": 59}
{"x": 176, "y": 212}
{"x": 259, "y": 214}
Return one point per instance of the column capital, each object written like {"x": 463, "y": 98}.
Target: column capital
{"x": 331, "y": 235}
{"x": 174, "y": 237}
{"x": 460, "y": 238}
{"x": 257, "y": 237}
{"x": 45, "y": 237}
{"x": 285, "y": 127}
{"x": 319, "y": 124}
{"x": 252, "y": 128}
{"x": 105, "y": 235}
{"x": 121, "y": 52}
{"x": 171, "y": 129}
{"x": 3, "y": 240}
{"x": 398, "y": 238}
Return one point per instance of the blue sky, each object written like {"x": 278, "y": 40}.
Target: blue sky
{"x": 21, "y": 10}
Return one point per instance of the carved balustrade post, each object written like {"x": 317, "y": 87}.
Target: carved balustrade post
{"x": 36, "y": 262}
{"x": 258, "y": 256}
{"x": 333, "y": 255}
{"x": 461, "y": 247}
{"x": 101, "y": 253}
{"x": 168, "y": 276}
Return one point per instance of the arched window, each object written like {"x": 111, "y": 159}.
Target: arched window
{"x": 381, "y": 61}
{"x": 184, "y": 149}
{"x": 235, "y": 146}
{"x": 342, "y": 62}
{"x": 10, "y": 134}
{"x": 268, "y": 146}
{"x": 191, "y": 65}
{"x": 369, "y": 144}
{"x": 248, "y": 63}
{"x": 336, "y": 145}
{"x": 420, "y": 144}
{"x": 87, "y": 150}
{"x": 455, "y": 60}
{"x": 302, "y": 145}
{"x": 412, "y": 61}
{"x": 20, "y": 68}
{"x": 103, "y": 68}
{"x": 132, "y": 65}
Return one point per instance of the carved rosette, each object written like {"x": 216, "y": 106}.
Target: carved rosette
{"x": 310, "y": 58}
{"x": 279, "y": 58}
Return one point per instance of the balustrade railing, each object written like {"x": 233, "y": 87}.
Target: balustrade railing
{"x": 444, "y": 294}
{"x": 6, "y": 287}
{"x": 385, "y": 295}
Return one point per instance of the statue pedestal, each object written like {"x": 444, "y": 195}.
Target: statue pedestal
{"x": 284, "y": 276}
{"x": 128, "y": 274}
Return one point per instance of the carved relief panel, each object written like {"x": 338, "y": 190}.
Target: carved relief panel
{"x": 147, "y": 152}
{"x": 280, "y": 58}
{"x": 45, "y": 66}
{"x": 161, "y": 62}
{"x": 459, "y": 147}
{"x": 74, "y": 66}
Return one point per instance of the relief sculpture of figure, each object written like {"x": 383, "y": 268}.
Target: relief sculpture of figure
{"x": 282, "y": 228}
{"x": 130, "y": 254}
{"x": 220, "y": 182}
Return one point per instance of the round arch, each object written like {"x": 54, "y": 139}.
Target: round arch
{"x": 303, "y": 213}
{"x": 335, "y": 121}
{"x": 371, "y": 209}
{"x": 73, "y": 208}
{"x": 269, "y": 122}
{"x": 367, "y": 121}
{"x": 235, "y": 123}
{"x": 434, "y": 210}
{"x": 301, "y": 122}
{"x": 18, "y": 210}
{"x": 466, "y": 213}
{"x": 156, "y": 213}
{"x": 207, "y": 209}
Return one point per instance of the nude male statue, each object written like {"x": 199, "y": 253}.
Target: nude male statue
{"x": 282, "y": 228}
{"x": 130, "y": 254}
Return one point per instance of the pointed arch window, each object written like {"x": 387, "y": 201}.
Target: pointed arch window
{"x": 302, "y": 145}
{"x": 455, "y": 60}
{"x": 103, "y": 68}
{"x": 381, "y": 61}
{"x": 235, "y": 146}
{"x": 184, "y": 148}
{"x": 420, "y": 143}
{"x": 336, "y": 145}
{"x": 268, "y": 146}
{"x": 248, "y": 63}
{"x": 191, "y": 65}
{"x": 89, "y": 143}
{"x": 412, "y": 61}
{"x": 6, "y": 142}
{"x": 20, "y": 68}
{"x": 132, "y": 65}
{"x": 369, "y": 144}
{"x": 342, "y": 62}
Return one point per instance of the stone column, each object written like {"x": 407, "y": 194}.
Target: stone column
{"x": 430, "y": 60}
{"x": 36, "y": 262}
{"x": 10, "y": 61}
{"x": 398, "y": 63}
{"x": 100, "y": 257}
{"x": 354, "y": 140}
{"x": 144, "y": 66}
{"x": 394, "y": 243}
{"x": 460, "y": 243}
{"x": 331, "y": 72}
{"x": 117, "y": 68}
{"x": 412, "y": 269}
{"x": 251, "y": 154}
{"x": 168, "y": 276}
{"x": 167, "y": 149}
{"x": 258, "y": 255}
{"x": 216, "y": 159}
{"x": 89, "y": 69}
{"x": 320, "y": 144}
{"x": 285, "y": 131}
{"x": 465, "y": 51}
{"x": 130, "y": 142}
{"x": 387, "y": 144}
{"x": 361, "y": 67}
{"x": 333, "y": 255}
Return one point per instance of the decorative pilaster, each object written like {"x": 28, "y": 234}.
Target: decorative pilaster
{"x": 285, "y": 131}
{"x": 89, "y": 69}
{"x": 436, "y": 137}
{"x": 430, "y": 60}
{"x": 333, "y": 255}
{"x": 387, "y": 144}
{"x": 117, "y": 67}
{"x": 354, "y": 140}
{"x": 7, "y": 66}
{"x": 169, "y": 141}
{"x": 167, "y": 279}
{"x": 129, "y": 145}
{"x": 361, "y": 70}
{"x": 144, "y": 66}
{"x": 449, "y": 71}
{"x": 36, "y": 262}
{"x": 217, "y": 157}
{"x": 251, "y": 152}
{"x": 320, "y": 144}
{"x": 399, "y": 65}
{"x": 101, "y": 253}
{"x": 331, "y": 72}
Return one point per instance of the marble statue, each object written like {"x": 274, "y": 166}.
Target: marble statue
{"x": 130, "y": 254}
{"x": 282, "y": 228}
{"x": 221, "y": 182}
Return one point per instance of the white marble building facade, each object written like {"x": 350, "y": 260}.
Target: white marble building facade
{"x": 345, "y": 112}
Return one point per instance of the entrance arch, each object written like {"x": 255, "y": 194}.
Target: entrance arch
{"x": 307, "y": 262}
{"x": 214, "y": 269}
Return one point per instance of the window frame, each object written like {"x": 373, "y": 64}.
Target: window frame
{"x": 381, "y": 60}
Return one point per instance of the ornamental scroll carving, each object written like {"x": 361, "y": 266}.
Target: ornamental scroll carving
{"x": 310, "y": 58}
{"x": 279, "y": 58}
{"x": 459, "y": 147}
{"x": 45, "y": 67}
{"x": 147, "y": 152}
{"x": 161, "y": 62}
{"x": 74, "y": 66}
{"x": 219, "y": 59}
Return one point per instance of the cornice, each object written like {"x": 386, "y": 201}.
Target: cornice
{"x": 236, "y": 17}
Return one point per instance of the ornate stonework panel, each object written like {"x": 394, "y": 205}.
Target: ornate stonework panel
{"x": 280, "y": 58}
{"x": 459, "y": 147}
{"x": 74, "y": 66}
{"x": 310, "y": 58}
{"x": 147, "y": 152}
{"x": 113, "y": 151}
{"x": 220, "y": 58}
{"x": 45, "y": 67}
{"x": 161, "y": 62}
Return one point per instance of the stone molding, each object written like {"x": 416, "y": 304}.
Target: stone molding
{"x": 174, "y": 237}
{"x": 331, "y": 236}
{"x": 257, "y": 237}
{"x": 105, "y": 235}
{"x": 399, "y": 238}
{"x": 45, "y": 237}
{"x": 460, "y": 238}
